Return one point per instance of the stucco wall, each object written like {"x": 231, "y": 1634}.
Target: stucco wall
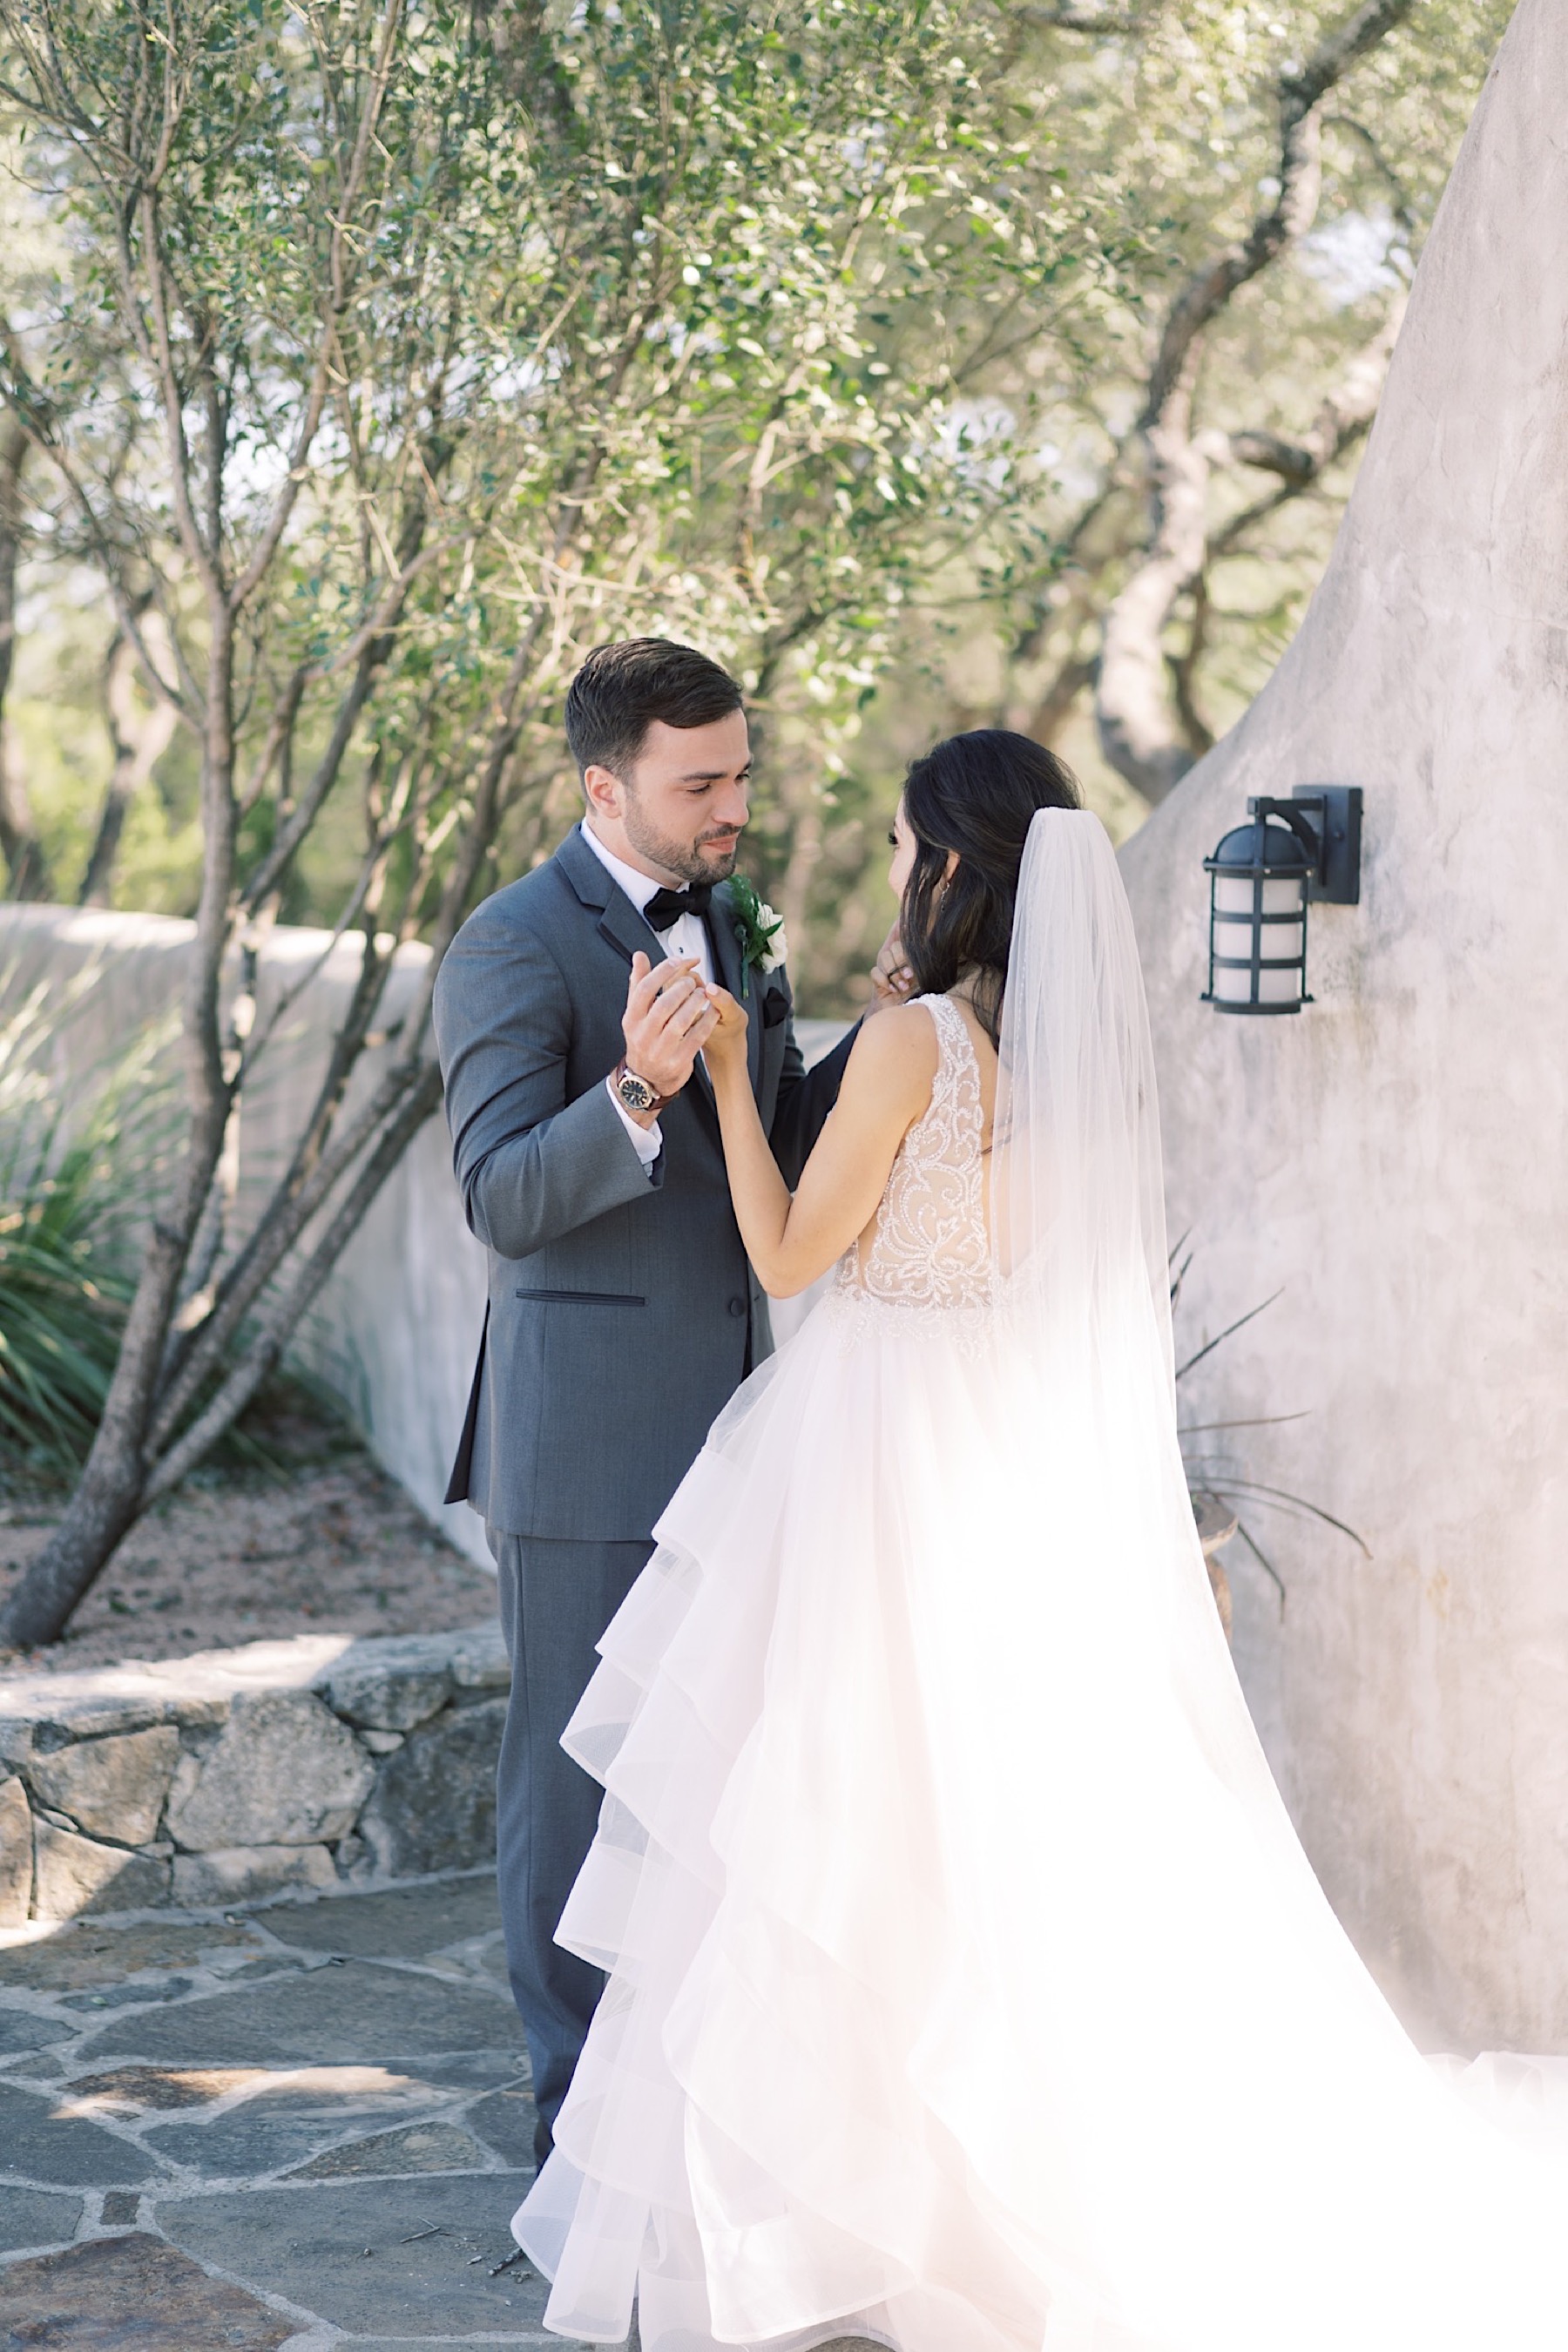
{"x": 1397, "y": 1156}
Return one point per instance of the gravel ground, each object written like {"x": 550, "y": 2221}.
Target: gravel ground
{"x": 322, "y": 1543}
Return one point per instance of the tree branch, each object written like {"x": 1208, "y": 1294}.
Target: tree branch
{"x": 1133, "y": 709}
{"x": 205, "y": 561}
{"x": 260, "y": 885}
{"x": 310, "y": 1181}
{"x": 27, "y": 864}
{"x": 265, "y": 1350}
{"x": 340, "y": 280}
{"x": 137, "y": 743}
{"x": 1183, "y": 666}
{"x": 36, "y": 415}
{"x": 1078, "y": 20}
{"x": 1344, "y": 413}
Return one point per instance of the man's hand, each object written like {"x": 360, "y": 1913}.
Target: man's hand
{"x": 892, "y": 982}
{"x": 667, "y": 1022}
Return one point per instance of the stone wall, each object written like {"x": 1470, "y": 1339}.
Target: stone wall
{"x": 244, "y": 1772}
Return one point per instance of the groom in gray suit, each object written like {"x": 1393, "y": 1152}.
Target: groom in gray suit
{"x": 623, "y": 1313}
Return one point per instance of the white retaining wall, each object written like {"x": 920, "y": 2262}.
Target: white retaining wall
{"x": 396, "y": 1329}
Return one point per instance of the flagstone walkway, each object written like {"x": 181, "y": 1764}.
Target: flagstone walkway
{"x": 306, "y": 2125}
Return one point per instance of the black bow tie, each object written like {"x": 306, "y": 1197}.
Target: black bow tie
{"x": 666, "y": 906}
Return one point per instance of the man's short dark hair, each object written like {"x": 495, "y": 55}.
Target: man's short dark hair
{"x": 621, "y": 689}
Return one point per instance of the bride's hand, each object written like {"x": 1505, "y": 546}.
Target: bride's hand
{"x": 726, "y": 1041}
{"x": 892, "y": 982}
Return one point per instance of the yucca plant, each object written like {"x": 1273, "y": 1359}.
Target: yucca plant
{"x": 75, "y": 1180}
{"x": 1216, "y": 1476}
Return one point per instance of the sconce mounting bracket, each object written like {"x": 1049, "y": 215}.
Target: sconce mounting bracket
{"x": 1326, "y": 821}
{"x": 1333, "y": 812}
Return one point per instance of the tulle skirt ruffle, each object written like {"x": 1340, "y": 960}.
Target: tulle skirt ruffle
{"x": 969, "y": 1991}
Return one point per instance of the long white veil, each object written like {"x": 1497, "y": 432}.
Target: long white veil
{"x": 1232, "y": 2087}
{"x": 1078, "y": 1205}
{"x": 1079, "y": 1228}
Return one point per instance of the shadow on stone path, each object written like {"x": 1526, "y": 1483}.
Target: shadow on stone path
{"x": 302, "y": 2126}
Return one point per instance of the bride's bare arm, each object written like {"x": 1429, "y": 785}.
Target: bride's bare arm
{"x": 887, "y": 1086}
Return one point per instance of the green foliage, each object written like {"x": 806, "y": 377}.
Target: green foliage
{"x": 810, "y": 332}
{"x": 82, "y": 1166}
{"x": 71, "y": 1196}
{"x": 650, "y": 319}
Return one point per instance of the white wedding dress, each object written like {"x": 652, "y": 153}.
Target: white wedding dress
{"x": 969, "y": 1990}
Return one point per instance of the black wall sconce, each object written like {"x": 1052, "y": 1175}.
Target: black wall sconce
{"x": 1260, "y": 879}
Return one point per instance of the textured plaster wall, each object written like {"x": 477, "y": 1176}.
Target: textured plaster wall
{"x": 1397, "y": 1156}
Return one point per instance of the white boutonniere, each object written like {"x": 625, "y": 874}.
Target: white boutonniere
{"x": 777, "y": 950}
{"x": 761, "y": 931}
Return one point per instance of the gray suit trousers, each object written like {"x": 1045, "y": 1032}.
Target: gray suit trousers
{"x": 556, "y": 1599}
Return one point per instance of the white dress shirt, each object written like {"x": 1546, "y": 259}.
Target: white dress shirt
{"x": 685, "y": 937}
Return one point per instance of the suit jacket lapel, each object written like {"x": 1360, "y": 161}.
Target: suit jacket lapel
{"x": 618, "y": 919}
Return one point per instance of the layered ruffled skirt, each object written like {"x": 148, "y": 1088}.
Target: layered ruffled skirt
{"x": 968, "y": 1990}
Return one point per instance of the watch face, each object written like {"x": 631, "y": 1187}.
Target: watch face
{"x": 635, "y": 1092}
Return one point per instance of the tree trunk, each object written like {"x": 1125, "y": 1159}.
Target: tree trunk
{"x": 1046, "y": 714}
{"x": 1132, "y": 706}
{"x": 1142, "y": 732}
{"x": 112, "y": 1492}
{"x": 138, "y": 740}
{"x": 28, "y": 867}
{"x": 108, "y": 1497}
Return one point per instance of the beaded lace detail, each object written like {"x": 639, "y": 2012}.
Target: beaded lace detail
{"x": 930, "y": 1246}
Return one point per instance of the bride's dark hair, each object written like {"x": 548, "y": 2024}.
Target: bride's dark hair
{"x": 975, "y": 793}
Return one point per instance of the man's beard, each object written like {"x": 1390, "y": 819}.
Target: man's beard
{"x": 684, "y": 858}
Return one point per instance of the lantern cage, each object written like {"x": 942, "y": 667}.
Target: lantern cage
{"x": 1260, "y": 878}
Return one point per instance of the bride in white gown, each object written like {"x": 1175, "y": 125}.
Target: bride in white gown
{"x": 969, "y": 1991}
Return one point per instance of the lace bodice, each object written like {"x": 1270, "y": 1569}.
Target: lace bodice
{"x": 930, "y": 1245}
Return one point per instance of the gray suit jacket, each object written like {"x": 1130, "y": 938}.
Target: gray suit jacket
{"x": 623, "y": 1313}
